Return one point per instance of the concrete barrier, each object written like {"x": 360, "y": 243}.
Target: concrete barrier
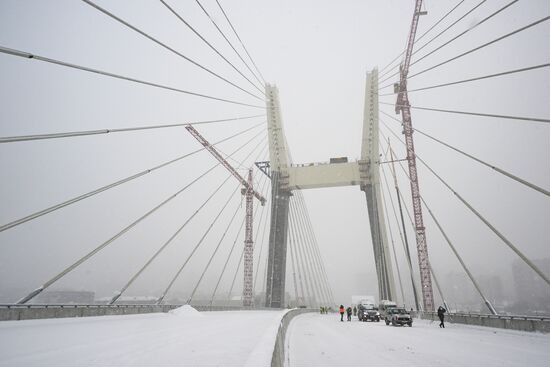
{"x": 31, "y": 312}
{"x": 278, "y": 358}
{"x": 523, "y": 323}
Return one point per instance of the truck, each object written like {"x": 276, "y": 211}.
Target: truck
{"x": 357, "y": 300}
{"x": 384, "y": 306}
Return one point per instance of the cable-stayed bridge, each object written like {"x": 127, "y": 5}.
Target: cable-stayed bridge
{"x": 155, "y": 240}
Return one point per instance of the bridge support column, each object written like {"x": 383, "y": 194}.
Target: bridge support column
{"x": 370, "y": 184}
{"x": 276, "y": 263}
{"x": 382, "y": 260}
{"x": 280, "y": 195}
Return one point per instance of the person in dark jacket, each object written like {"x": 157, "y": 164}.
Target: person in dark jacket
{"x": 354, "y": 311}
{"x": 441, "y": 314}
{"x": 349, "y": 311}
{"x": 342, "y": 310}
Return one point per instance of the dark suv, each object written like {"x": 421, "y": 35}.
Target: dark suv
{"x": 398, "y": 316}
{"x": 367, "y": 314}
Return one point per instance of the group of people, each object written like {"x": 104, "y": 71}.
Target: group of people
{"x": 348, "y": 311}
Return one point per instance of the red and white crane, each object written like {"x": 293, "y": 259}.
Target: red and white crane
{"x": 402, "y": 105}
{"x": 249, "y": 193}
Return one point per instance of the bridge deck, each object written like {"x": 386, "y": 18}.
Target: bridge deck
{"x": 207, "y": 339}
{"x": 322, "y": 340}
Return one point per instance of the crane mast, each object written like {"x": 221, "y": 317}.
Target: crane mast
{"x": 403, "y": 106}
{"x": 248, "y": 298}
{"x": 249, "y": 193}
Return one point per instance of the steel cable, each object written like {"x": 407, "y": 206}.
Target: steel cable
{"x": 309, "y": 227}
{"x": 534, "y": 67}
{"x": 11, "y": 139}
{"x": 482, "y": 218}
{"x": 262, "y": 244}
{"x": 453, "y": 249}
{"x": 393, "y": 250}
{"x": 240, "y": 41}
{"x": 519, "y": 30}
{"x": 227, "y": 40}
{"x": 201, "y": 240}
{"x": 523, "y": 118}
{"x": 111, "y": 185}
{"x": 439, "y": 34}
{"x": 218, "y": 245}
{"x": 210, "y": 45}
{"x": 419, "y": 38}
{"x": 304, "y": 266}
{"x": 403, "y": 236}
{"x": 165, "y": 46}
{"x": 167, "y": 242}
{"x": 310, "y": 253}
{"x": 230, "y": 253}
{"x": 466, "y": 31}
{"x": 28, "y": 55}
{"x": 90, "y": 254}
{"x": 499, "y": 170}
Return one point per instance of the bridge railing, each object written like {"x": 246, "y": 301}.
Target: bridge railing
{"x": 49, "y": 311}
{"x": 513, "y": 322}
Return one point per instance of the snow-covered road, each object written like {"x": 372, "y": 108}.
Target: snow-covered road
{"x": 185, "y": 339}
{"x": 322, "y": 340}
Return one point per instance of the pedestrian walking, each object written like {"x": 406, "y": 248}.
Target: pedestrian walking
{"x": 342, "y": 310}
{"x": 354, "y": 311}
{"x": 441, "y": 314}
{"x": 349, "y": 311}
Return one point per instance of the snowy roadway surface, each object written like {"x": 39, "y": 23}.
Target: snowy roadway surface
{"x": 187, "y": 338}
{"x": 322, "y": 340}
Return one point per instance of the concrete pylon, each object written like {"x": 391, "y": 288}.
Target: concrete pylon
{"x": 370, "y": 174}
{"x": 280, "y": 195}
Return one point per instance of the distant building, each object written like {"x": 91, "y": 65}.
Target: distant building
{"x": 492, "y": 288}
{"x": 533, "y": 294}
{"x": 130, "y": 300}
{"x": 137, "y": 300}
{"x": 459, "y": 292}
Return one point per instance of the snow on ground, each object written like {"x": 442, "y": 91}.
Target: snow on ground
{"x": 185, "y": 311}
{"x": 322, "y": 340}
{"x": 184, "y": 337}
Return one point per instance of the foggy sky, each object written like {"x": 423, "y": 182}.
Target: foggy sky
{"x": 317, "y": 53}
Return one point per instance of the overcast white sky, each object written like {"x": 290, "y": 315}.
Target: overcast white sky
{"x": 317, "y": 53}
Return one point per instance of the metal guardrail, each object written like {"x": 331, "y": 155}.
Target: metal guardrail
{"x": 499, "y": 317}
{"x": 126, "y": 305}
{"x": 46, "y": 311}
{"x": 513, "y": 322}
{"x": 65, "y": 305}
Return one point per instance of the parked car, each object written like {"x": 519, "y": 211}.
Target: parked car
{"x": 366, "y": 313}
{"x": 398, "y": 316}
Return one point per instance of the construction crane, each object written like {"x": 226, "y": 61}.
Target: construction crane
{"x": 249, "y": 193}
{"x": 402, "y": 106}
